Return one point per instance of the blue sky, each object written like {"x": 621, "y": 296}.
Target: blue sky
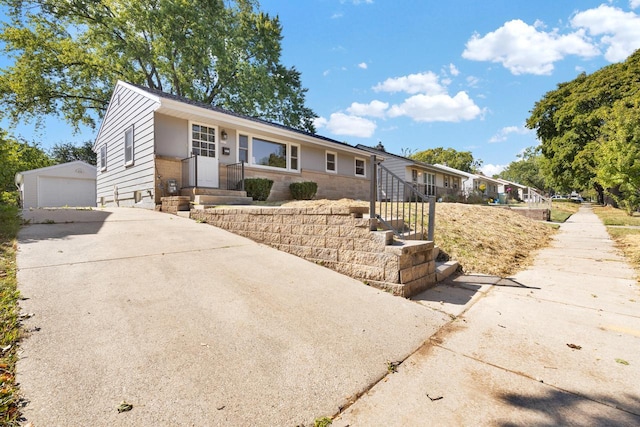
{"x": 422, "y": 74}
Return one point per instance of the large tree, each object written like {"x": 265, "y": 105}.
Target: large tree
{"x": 569, "y": 122}
{"x": 526, "y": 170}
{"x": 619, "y": 154}
{"x": 17, "y": 156}
{"x": 68, "y": 54}
{"x": 68, "y": 152}
{"x": 461, "y": 160}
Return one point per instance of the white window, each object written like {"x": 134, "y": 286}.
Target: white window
{"x": 128, "y": 146}
{"x": 243, "y": 148}
{"x": 446, "y": 181}
{"x": 103, "y": 157}
{"x": 260, "y": 152}
{"x": 361, "y": 170}
{"x": 331, "y": 163}
{"x": 414, "y": 175}
{"x": 203, "y": 140}
{"x": 456, "y": 183}
{"x": 294, "y": 158}
{"x": 430, "y": 183}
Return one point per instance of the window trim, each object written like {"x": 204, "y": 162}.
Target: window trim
{"x": 250, "y": 138}
{"x": 364, "y": 167}
{"x": 215, "y": 140}
{"x": 103, "y": 157}
{"x": 239, "y": 149}
{"x": 127, "y": 131}
{"x": 326, "y": 162}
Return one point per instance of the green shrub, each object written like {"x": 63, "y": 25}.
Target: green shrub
{"x": 303, "y": 190}
{"x": 258, "y": 188}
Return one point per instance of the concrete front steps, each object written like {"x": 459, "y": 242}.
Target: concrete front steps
{"x": 207, "y": 197}
{"x": 444, "y": 269}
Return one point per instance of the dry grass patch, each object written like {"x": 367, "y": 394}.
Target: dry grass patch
{"x": 483, "y": 239}
{"x": 489, "y": 240}
{"x": 613, "y": 216}
{"x": 626, "y": 239}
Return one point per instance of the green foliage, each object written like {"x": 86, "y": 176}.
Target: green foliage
{"x": 322, "y": 422}
{"x": 619, "y": 159}
{"x": 461, "y": 160}
{"x": 66, "y": 57}
{"x": 9, "y": 320}
{"x": 258, "y": 188}
{"x": 526, "y": 170}
{"x": 69, "y": 152}
{"x": 17, "y": 156}
{"x": 303, "y": 190}
{"x": 569, "y": 122}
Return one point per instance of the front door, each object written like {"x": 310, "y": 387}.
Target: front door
{"x": 204, "y": 145}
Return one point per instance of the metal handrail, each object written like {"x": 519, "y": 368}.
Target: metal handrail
{"x": 188, "y": 179}
{"x": 235, "y": 176}
{"x": 399, "y": 205}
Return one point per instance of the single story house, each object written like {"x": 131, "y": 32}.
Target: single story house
{"x": 431, "y": 180}
{"x": 66, "y": 184}
{"x": 151, "y": 144}
{"x": 477, "y": 184}
{"x": 513, "y": 190}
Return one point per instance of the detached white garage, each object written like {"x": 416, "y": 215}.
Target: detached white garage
{"x": 67, "y": 184}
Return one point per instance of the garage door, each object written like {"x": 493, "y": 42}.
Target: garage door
{"x": 55, "y": 192}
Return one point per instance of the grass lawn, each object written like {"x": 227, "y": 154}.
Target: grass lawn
{"x": 9, "y": 316}
{"x": 627, "y": 239}
{"x": 561, "y": 211}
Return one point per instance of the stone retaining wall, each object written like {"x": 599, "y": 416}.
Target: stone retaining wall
{"x": 535, "y": 214}
{"x": 337, "y": 238}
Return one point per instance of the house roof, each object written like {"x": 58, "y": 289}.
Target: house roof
{"x": 437, "y": 168}
{"x": 74, "y": 164}
{"x": 170, "y": 102}
{"x": 515, "y": 184}
{"x": 471, "y": 175}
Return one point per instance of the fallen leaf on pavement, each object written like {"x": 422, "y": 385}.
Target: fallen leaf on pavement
{"x": 574, "y": 346}
{"x": 124, "y": 407}
{"x": 433, "y": 399}
{"x": 622, "y": 361}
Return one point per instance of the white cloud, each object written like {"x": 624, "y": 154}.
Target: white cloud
{"x": 525, "y": 49}
{"x": 619, "y": 30}
{"x": 634, "y": 4}
{"x": 373, "y": 109}
{"x": 363, "y": 65}
{"x": 413, "y": 83}
{"x": 454, "y": 71}
{"x": 337, "y": 15}
{"x": 348, "y": 125}
{"x": 504, "y": 133}
{"x": 472, "y": 81}
{"x": 437, "y": 108}
{"x": 490, "y": 170}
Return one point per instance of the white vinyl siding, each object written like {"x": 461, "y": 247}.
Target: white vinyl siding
{"x": 137, "y": 111}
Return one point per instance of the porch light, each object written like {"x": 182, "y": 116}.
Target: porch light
{"x": 223, "y": 135}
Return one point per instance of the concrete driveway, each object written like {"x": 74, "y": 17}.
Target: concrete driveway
{"x": 193, "y": 325}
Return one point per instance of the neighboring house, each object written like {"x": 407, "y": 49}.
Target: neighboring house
{"x": 475, "y": 182}
{"x": 66, "y": 184}
{"x": 151, "y": 144}
{"x": 513, "y": 190}
{"x": 431, "y": 180}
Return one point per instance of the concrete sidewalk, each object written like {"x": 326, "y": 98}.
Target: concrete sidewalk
{"x": 558, "y": 344}
{"x": 193, "y": 325}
